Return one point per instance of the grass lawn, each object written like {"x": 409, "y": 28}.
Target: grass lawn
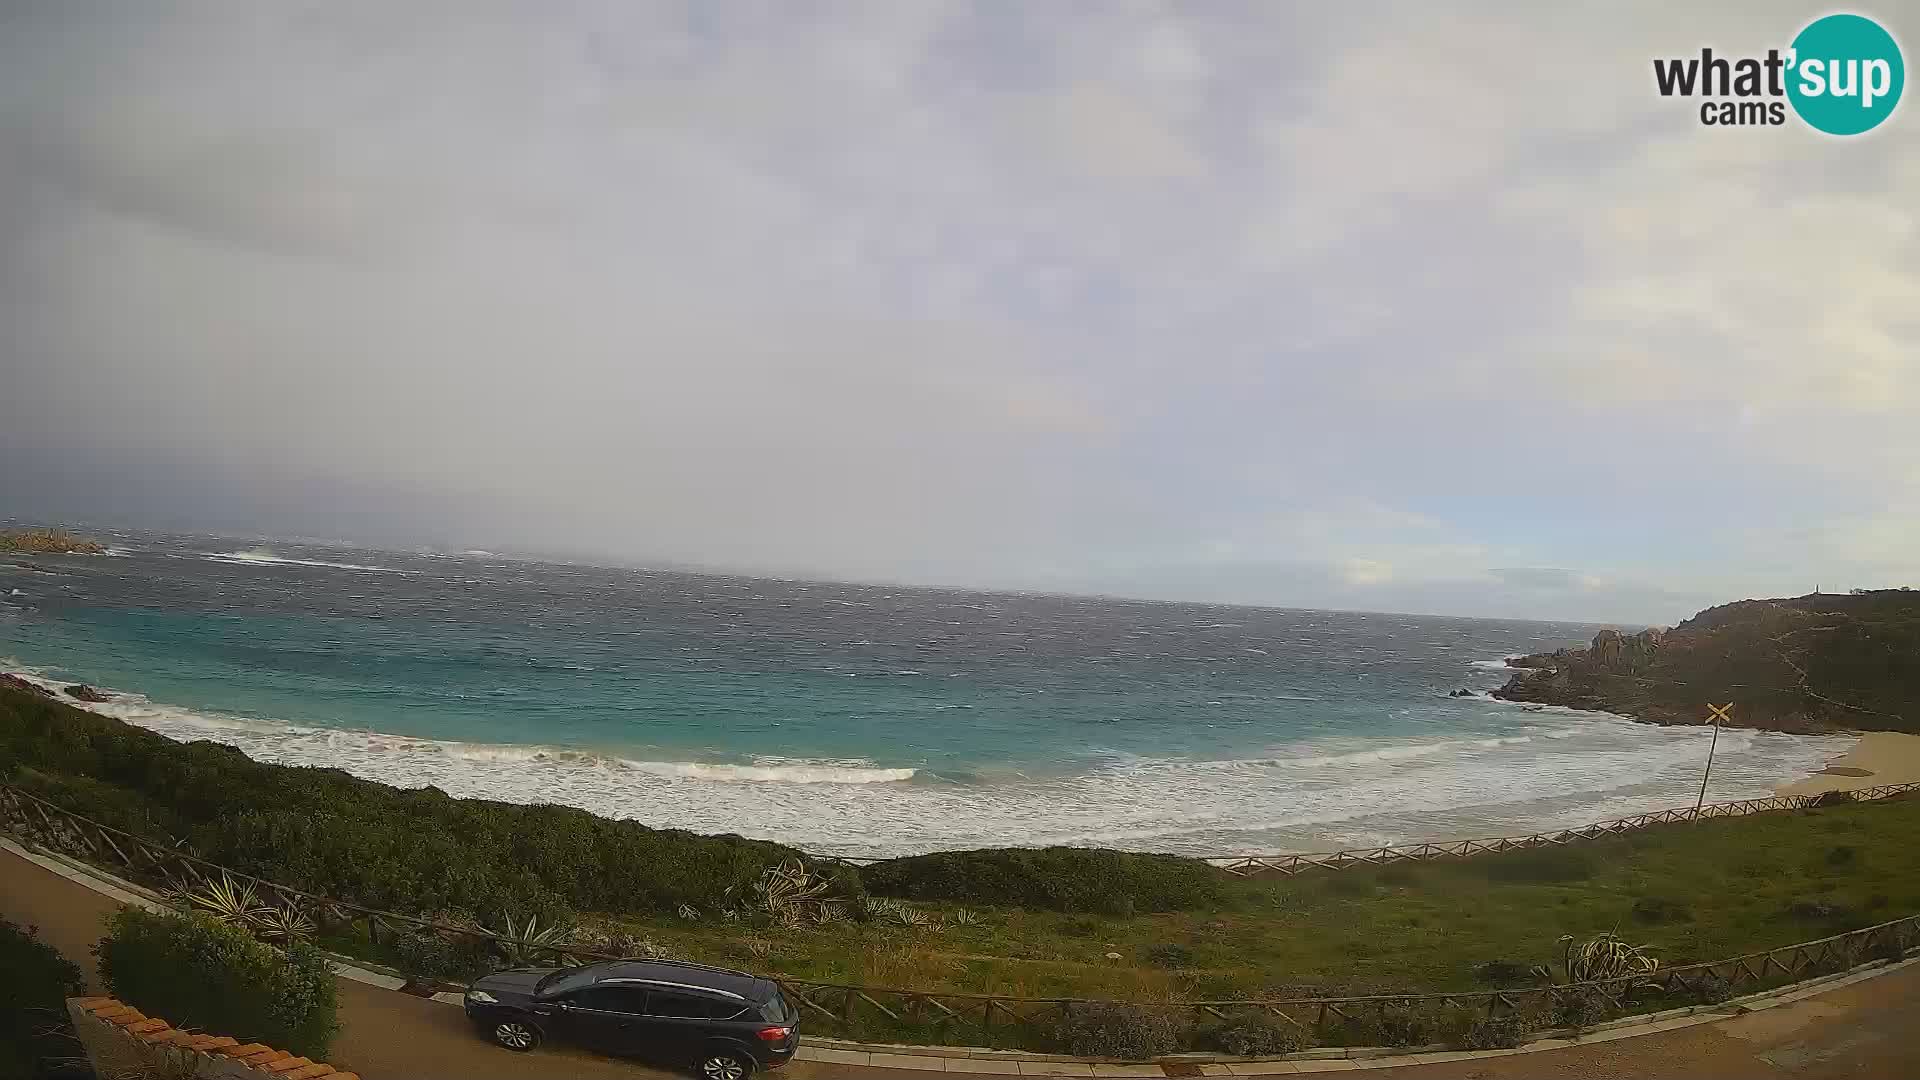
{"x": 1702, "y": 891}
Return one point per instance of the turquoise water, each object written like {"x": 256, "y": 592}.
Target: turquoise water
{"x": 846, "y": 718}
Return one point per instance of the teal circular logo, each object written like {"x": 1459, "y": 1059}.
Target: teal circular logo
{"x": 1845, "y": 74}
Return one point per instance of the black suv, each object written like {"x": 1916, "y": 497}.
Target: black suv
{"x": 724, "y": 1024}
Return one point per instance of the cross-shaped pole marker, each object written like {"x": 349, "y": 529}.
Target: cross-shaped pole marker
{"x": 1719, "y": 713}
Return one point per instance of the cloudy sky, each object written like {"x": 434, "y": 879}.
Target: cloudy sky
{"x": 1383, "y": 308}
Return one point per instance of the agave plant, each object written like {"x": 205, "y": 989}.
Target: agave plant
{"x": 227, "y": 900}
{"x": 875, "y": 908}
{"x": 788, "y": 894}
{"x": 1605, "y": 957}
{"x": 912, "y": 916}
{"x": 963, "y": 917}
{"x": 528, "y": 943}
{"x": 282, "y": 924}
{"x": 689, "y": 912}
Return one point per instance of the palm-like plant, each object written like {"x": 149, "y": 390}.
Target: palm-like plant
{"x": 529, "y": 942}
{"x": 227, "y": 900}
{"x": 1604, "y": 958}
{"x": 283, "y": 924}
{"x": 789, "y": 894}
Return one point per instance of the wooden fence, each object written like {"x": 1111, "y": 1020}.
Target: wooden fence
{"x": 868, "y": 1012}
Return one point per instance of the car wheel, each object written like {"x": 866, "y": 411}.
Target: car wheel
{"x": 723, "y": 1065}
{"x": 516, "y": 1035}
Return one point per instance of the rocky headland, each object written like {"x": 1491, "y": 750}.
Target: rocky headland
{"x": 47, "y": 542}
{"x": 1815, "y": 663}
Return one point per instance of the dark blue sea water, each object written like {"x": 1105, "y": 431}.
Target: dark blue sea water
{"x": 850, "y": 719}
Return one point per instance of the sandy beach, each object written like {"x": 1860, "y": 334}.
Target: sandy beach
{"x": 1880, "y": 757}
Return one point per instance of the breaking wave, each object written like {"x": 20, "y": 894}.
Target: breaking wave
{"x": 1541, "y": 771}
{"x": 266, "y": 557}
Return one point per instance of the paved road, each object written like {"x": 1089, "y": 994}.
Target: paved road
{"x": 1867, "y": 1031}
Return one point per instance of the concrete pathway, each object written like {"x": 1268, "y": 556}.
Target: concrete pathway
{"x": 1868, "y": 1030}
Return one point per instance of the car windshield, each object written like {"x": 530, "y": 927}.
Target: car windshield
{"x": 566, "y": 979}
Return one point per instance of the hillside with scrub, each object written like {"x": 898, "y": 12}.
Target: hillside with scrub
{"x": 1032, "y": 923}
{"x": 1820, "y": 662}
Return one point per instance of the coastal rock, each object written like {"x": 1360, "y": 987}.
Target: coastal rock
{"x": 86, "y": 693}
{"x": 15, "y": 682}
{"x": 1804, "y": 664}
{"x": 48, "y": 542}
{"x": 1460, "y": 693}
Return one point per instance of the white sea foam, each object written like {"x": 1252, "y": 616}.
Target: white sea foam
{"x": 266, "y": 557}
{"x": 1524, "y": 772}
{"x": 1496, "y": 665}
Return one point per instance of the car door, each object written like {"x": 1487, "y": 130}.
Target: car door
{"x": 680, "y": 1022}
{"x": 606, "y": 1018}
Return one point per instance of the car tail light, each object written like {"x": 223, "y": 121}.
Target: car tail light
{"x": 774, "y": 1034}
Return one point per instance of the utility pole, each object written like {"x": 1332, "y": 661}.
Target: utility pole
{"x": 1719, "y": 713}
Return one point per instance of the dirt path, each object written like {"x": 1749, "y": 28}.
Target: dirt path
{"x": 1867, "y": 1031}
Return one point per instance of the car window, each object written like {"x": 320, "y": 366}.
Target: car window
{"x": 778, "y": 1010}
{"x": 691, "y": 1006}
{"x": 620, "y": 999}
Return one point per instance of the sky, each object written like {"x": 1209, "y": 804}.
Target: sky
{"x": 1370, "y": 306}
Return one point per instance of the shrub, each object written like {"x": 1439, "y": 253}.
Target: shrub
{"x": 1813, "y": 907}
{"x": 1404, "y": 1025}
{"x": 1709, "y": 989}
{"x": 1543, "y": 865}
{"x": 1832, "y": 798}
{"x": 1659, "y": 909}
{"x": 1506, "y": 973}
{"x": 1058, "y": 878}
{"x": 1111, "y": 1029}
{"x": 33, "y": 1011}
{"x": 425, "y": 956}
{"x": 1254, "y": 1034}
{"x": 201, "y": 973}
{"x": 1581, "y": 1008}
{"x": 1891, "y": 946}
{"x": 1502, "y": 1032}
{"x": 1169, "y": 955}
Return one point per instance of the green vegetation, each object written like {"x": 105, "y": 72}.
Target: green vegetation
{"x": 1805, "y": 663}
{"x": 46, "y": 542}
{"x": 1053, "y": 879}
{"x": 1254, "y": 1035}
{"x": 1036, "y": 924}
{"x": 1104, "y": 1029}
{"x": 35, "y": 981}
{"x": 324, "y": 831}
{"x": 199, "y": 972}
{"x": 1745, "y": 884}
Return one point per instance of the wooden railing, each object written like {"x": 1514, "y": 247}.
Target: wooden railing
{"x": 868, "y": 1012}
{"x": 1359, "y": 1019}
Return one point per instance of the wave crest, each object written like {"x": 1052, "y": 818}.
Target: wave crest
{"x": 267, "y": 557}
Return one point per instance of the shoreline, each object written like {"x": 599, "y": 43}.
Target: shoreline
{"x": 1880, "y": 757}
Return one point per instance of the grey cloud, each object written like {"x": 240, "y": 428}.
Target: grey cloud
{"x": 1234, "y": 301}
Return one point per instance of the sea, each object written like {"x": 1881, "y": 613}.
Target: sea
{"x": 848, "y": 719}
